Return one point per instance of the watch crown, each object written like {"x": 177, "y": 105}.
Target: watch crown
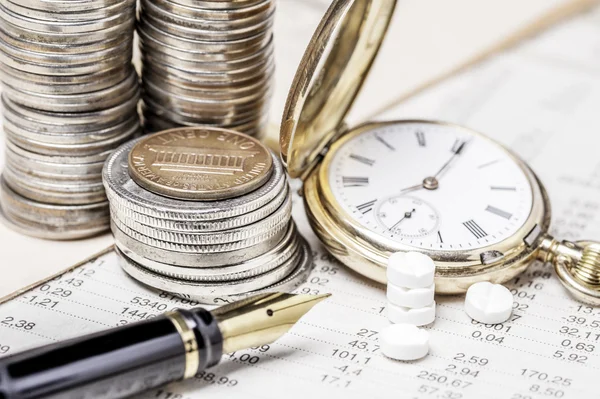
{"x": 587, "y": 269}
{"x": 577, "y": 266}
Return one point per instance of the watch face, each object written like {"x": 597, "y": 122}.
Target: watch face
{"x": 430, "y": 186}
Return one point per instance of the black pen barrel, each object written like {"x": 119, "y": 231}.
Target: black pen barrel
{"x": 115, "y": 363}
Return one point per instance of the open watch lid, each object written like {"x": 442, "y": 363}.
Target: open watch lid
{"x": 329, "y": 77}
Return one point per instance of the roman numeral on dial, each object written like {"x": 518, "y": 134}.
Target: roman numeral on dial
{"x": 421, "y": 139}
{"x": 366, "y": 207}
{"x": 352, "y": 181}
{"x": 458, "y": 146}
{"x": 499, "y": 212}
{"x": 361, "y": 159}
{"x": 475, "y": 229}
{"x": 385, "y": 143}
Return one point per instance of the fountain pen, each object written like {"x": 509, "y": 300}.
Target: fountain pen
{"x": 134, "y": 358}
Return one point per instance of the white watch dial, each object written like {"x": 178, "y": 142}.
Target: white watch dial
{"x": 431, "y": 186}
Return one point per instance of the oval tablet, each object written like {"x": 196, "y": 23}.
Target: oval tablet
{"x": 410, "y": 297}
{"x": 416, "y": 317}
{"x": 488, "y": 303}
{"x": 410, "y": 269}
{"x": 404, "y": 342}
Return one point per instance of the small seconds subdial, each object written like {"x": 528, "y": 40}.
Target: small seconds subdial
{"x": 407, "y": 216}
{"x": 430, "y": 186}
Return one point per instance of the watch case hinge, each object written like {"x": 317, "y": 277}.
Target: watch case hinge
{"x": 340, "y": 131}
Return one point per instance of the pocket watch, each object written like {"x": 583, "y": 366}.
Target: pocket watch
{"x": 459, "y": 197}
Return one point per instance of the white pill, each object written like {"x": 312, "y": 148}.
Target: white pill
{"x": 410, "y": 297}
{"x": 404, "y": 342}
{"x": 488, "y": 303}
{"x": 416, "y": 317}
{"x": 410, "y": 269}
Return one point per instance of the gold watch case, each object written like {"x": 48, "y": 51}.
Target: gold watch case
{"x": 367, "y": 252}
{"x": 329, "y": 77}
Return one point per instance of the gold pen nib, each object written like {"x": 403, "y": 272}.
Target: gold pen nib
{"x": 261, "y": 319}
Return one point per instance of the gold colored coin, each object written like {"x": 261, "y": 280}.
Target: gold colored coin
{"x": 200, "y": 163}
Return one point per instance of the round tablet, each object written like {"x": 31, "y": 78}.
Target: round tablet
{"x": 416, "y": 317}
{"x": 488, "y": 303}
{"x": 410, "y": 297}
{"x": 410, "y": 269}
{"x": 404, "y": 342}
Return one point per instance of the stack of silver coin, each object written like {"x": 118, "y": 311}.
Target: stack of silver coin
{"x": 211, "y": 251}
{"x": 69, "y": 98}
{"x": 207, "y": 62}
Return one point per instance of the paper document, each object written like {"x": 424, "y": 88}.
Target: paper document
{"x": 450, "y": 44}
{"x": 542, "y": 101}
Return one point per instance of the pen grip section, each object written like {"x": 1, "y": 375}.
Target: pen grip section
{"x": 110, "y": 364}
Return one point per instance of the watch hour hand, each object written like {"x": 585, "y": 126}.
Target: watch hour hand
{"x": 411, "y": 188}
{"x": 429, "y": 183}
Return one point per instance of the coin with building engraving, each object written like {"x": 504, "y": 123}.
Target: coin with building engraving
{"x": 200, "y": 163}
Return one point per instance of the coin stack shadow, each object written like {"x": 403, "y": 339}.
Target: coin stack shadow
{"x": 209, "y": 251}
{"x": 206, "y": 63}
{"x": 69, "y": 98}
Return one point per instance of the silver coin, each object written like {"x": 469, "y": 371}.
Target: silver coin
{"x": 65, "y": 6}
{"x": 190, "y": 79}
{"x": 120, "y": 187}
{"x": 23, "y": 52}
{"x": 285, "y": 250}
{"x": 147, "y": 44}
{"x": 227, "y": 48}
{"x": 56, "y": 233}
{"x": 85, "y": 102}
{"x": 202, "y": 226}
{"x": 217, "y": 14}
{"x": 66, "y": 27}
{"x": 231, "y": 287}
{"x": 21, "y": 80}
{"x": 78, "y": 122}
{"x": 184, "y": 117}
{"x": 194, "y": 19}
{"x": 153, "y": 42}
{"x": 54, "y": 172}
{"x": 217, "y": 70}
{"x": 60, "y": 149}
{"x": 84, "y": 15}
{"x": 218, "y": 5}
{"x": 69, "y": 39}
{"x": 180, "y": 116}
{"x": 57, "y": 216}
{"x": 273, "y": 222}
{"x": 219, "y": 295}
{"x": 186, "y": 99}
{"x": 162, "y": 21}
{"x": 58, "y": 192}
{"x": 114, "y": 75}
{"x": 184, "y": 111}
{"x": 119, "y": 60}
{"x": 190, "y": 259}
{"x": 60, "y": 48}
{"x": 254, "y": 245}
{"x": 263, "y": 67}
{"x": 200, "y": 88}
{"x": 79, "y": 138}
{"x": 47, "y": 166}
